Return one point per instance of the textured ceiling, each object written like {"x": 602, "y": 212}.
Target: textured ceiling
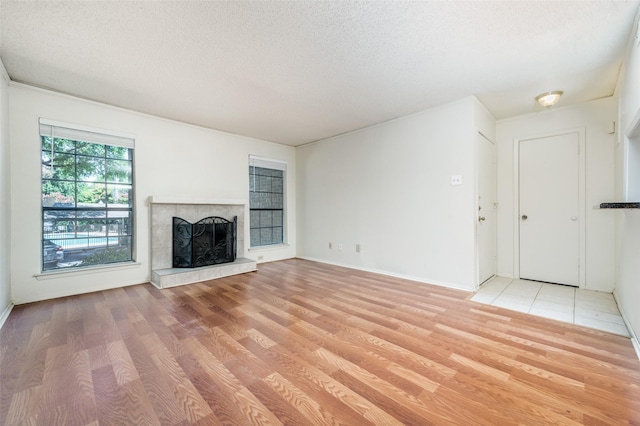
{"x": 295, "y": 72}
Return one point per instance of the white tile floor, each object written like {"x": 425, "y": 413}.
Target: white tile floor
{"x": 569, "y": 304}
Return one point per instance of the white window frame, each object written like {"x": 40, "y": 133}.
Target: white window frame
{"x": 269, "y": 163}
{"x": 59, "y": 129}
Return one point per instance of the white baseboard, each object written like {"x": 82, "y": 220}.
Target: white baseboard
{"x": 636, "y": 346}
{"x": 5, "y": 314}
{"x": 390, "y": 274}
{"x": 632, "y": 334}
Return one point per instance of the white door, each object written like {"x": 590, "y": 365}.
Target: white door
{"x": 486, "y": 228}
{"x": 549, "y": 211}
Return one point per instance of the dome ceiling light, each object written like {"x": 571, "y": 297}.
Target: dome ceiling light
{"x": 549, "y": 99}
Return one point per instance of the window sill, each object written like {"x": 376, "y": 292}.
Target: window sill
{"x": 47, "y": 275}
{"x": 269, "y": 247}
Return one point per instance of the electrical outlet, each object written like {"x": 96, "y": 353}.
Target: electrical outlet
{"x": 456, "y": 179}
{"x": 357, "y": 248}
{"x": 260, "y": 258}
{"x": 340, "y": 246}
{"x": 330, "y": 246}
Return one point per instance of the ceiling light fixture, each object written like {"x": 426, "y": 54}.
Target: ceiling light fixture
{"x": 549, "y": 99}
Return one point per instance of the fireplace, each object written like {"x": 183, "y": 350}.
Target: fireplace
{"x": 210, "y": 241}
{"x": 164, "y": 209}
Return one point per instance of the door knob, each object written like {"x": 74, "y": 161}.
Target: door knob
{"x": 525, "y": 217}
{"x": 481, "y": 218}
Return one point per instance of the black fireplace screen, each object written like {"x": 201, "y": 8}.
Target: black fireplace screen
{"x": 209, "y": 241}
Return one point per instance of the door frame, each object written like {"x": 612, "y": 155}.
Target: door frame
{"x": 494, "y": 207}
{"x": 581, "y": 198}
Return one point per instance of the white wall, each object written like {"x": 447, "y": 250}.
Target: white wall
{"x": 627, "y": 289}
{"x": 171, "y": 159}
{"x": 5, "y": 200}
{"x": 387, "y": 188}
{"x": 596, "y": 118}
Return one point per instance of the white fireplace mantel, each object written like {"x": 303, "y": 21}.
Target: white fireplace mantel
{"x": 169, "y": 199}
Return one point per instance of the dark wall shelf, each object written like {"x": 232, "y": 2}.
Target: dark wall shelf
{"x": 626, "y": 205}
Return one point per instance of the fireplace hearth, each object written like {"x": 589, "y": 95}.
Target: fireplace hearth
{"x": 210, "y": 241}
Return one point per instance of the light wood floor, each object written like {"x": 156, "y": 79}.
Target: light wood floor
{"x": 306, "y": 343}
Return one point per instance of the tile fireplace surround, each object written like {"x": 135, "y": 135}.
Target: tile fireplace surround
{"x": 163, "y": 209}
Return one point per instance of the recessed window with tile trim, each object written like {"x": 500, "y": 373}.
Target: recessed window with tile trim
{"x": 267, "y": 194}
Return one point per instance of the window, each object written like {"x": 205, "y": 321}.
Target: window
{"x": 266, "y": 201}
{"x": 87, "y": 197}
